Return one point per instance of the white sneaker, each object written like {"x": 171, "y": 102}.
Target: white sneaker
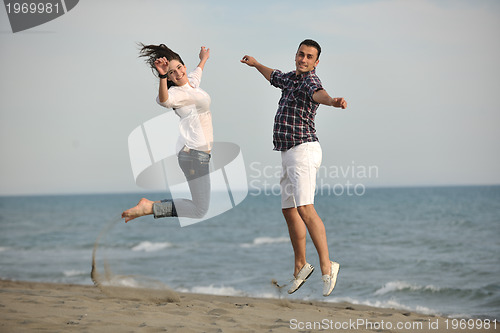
{"x": 329, "y": 281}
{"x": 301, "y": 277}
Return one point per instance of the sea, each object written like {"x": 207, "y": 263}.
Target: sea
{"x": 431, "y": 250}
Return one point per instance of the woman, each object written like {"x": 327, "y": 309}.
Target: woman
{"x": 181, "y": 92}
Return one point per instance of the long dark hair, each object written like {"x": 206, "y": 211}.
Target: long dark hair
{"x": 153, "y": 52}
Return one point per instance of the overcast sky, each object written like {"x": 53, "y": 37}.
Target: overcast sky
{"x": 421, "y": 78}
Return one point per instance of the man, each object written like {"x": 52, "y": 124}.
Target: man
{"x": 295, "y": 137}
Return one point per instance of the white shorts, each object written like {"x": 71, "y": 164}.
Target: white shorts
{"x": 298, "y": 175}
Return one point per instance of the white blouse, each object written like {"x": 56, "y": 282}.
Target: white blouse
{"x": 192, "y": 105}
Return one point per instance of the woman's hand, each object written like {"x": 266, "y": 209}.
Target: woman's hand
{"x": 204, "y": 53}
{"x": 161, "y": 65}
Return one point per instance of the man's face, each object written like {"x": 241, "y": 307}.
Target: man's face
{"x": 306, "y": 59}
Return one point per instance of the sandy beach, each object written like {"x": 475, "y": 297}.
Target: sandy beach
{"x": 32, "y": 306}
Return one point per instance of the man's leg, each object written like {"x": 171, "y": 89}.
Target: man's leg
{"x": 316, "y": 229}
{"x": 298, "y": 232}
{"x": 300, "y": 165}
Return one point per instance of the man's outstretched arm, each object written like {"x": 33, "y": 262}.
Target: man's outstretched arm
{"x": 265, "y": 71}
{"x": 322, "y": 97}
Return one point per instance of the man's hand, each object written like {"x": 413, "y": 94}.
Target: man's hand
{"x": 265, "y": 71}
{"x": 339, "y": 102}
{"x": 250, "y": 61}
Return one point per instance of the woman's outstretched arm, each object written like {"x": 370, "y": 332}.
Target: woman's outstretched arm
{"x": 161, "y": 65}
{"x": 204, "y": 55}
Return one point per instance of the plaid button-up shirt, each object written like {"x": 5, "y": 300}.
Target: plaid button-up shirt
{"x": 294, "y": 120}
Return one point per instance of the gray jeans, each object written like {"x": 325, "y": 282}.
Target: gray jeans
{"x": 195, "y": 166}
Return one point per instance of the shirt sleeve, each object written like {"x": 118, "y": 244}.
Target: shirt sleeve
{"x": 195, "y": 77}
{"x": 313, "y": 85}
{"x": 276, "y": 79}
{"x": 174, "y": 100}
{"x": 164, "y": 104}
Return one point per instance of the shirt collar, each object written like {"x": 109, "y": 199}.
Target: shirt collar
{"x": 300, "y": 76}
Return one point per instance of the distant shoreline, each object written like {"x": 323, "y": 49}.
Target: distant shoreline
{"x": 142, "y": 191}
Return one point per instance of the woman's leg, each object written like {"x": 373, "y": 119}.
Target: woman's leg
{"x": 195, "y": 165}
{"x": 144, "y": 207}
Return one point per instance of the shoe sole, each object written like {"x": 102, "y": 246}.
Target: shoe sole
{"x": 303, "y": 281}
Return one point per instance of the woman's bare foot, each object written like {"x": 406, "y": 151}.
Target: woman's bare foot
{"x": 144, "y": 207}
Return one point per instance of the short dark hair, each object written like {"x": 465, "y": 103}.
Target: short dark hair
{"x": 312, "y": 43}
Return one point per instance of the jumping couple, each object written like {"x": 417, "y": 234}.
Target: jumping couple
{"x": 294, "y": 135}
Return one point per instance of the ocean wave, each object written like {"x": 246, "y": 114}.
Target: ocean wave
{"x": 264, "y": 294}
{"x": 122, "y": 281}
{"x": 147, "y": 246}
{"x": 134, "y": 281}
{"x": 74, "y": 272}
{"x": 3, "y": 248}
{"x": 266, "y": 240}
{"x": 394, "y": 286}
{"x": 389, "y": 304}
{"x": 214, "y": 290}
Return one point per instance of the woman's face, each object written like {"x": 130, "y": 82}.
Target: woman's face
{"x": 177, "y": 73}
